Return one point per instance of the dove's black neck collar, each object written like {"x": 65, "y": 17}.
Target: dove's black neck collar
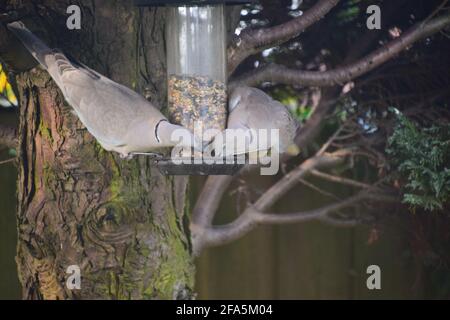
{"x": 156, "y": 129}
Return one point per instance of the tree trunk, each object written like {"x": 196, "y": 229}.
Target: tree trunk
{"x": 121, "y": 222}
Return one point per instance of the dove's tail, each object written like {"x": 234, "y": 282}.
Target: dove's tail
{"x": 34, "y": 45}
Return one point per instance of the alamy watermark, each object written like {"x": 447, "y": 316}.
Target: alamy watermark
{"x": 374, "y": 20}
{"x": 73, "y": 281}
{"x": 231, "y": 146}
{"x": 374, "y": 279}
{"x": 73, "y": 22}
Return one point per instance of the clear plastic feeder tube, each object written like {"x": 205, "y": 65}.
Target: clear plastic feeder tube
{"x": 196, "y": 65}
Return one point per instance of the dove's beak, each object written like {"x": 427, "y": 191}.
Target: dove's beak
{"x": 293, "y": 150}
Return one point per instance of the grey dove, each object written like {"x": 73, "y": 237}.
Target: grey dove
{"x": 119, "y": 118}
{"x": 251, "y": 109}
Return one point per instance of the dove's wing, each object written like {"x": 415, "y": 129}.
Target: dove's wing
{"x": 113, "y": 113}
{"x": 107, "y": 109}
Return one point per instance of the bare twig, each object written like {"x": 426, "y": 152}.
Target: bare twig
{"x": 7, "y": 161}
{"x": 342, "y": 180}
{"x": 327, "y": 144}
{"x": 306, "y": 133}
{"x": 436, "y": 11}
{"x": 319, "y": 190}
{"x": 253, "y": 41}
{"x": 281, "y": 74}
{"x": 335, "y": 222}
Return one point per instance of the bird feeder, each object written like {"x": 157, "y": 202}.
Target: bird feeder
{"x": 196, "y": 42}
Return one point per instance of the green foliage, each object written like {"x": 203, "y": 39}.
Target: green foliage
{"x": 350, "y": 12}
{"x": 422, "y": 157}
{"x": 290, "y": 98}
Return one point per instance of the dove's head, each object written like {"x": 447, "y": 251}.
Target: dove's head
{"x": 172, "y": 135}
{"x": 237, "y": 96}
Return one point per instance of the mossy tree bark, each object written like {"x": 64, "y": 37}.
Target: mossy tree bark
{"x": 121, "y": 222}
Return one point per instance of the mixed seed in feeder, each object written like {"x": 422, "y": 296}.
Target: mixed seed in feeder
{"x": 195, "y": 99}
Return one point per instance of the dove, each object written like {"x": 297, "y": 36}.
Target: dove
{"x": 251, "y": 110}
{"x": 119, "y": 118}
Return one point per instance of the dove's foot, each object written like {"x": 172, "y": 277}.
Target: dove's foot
{"x": 149, "y": 154}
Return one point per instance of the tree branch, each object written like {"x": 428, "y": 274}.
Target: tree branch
{"x": 313, "y": 126}
{"x": 8, "y": 161}
{"x": 340, "y": 223}
{"x": 342, "y": 180}
{"x": 281, "y": 74}
{"x": 252, "y": 217}
{"x": 291, "y": 179}
{"x": 205, "y": 210}
{"x": 8, "y": 136}
{"x": 207, "y": 204}
{"x": 213, "y": 191}
{"x": 253, "y": 41}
